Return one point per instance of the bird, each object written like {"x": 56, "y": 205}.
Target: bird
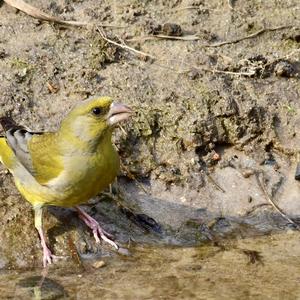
{"x": 66, "y": 167}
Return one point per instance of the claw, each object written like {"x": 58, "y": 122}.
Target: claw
{"x": 98, "y": 232}
{"x": 47, "y": 257}
{"x": 103, "y": 236}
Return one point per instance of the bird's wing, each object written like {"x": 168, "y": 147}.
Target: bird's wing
{"x": 34, "y": 150}
{"x": 17, "y": 138}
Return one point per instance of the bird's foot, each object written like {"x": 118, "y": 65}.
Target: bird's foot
{"x": 98, "y": 232}
{"x": 47, "y": 256}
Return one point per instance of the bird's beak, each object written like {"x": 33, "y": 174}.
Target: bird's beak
{"x": 117, "y": 113}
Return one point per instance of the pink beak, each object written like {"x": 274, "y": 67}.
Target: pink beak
{"x": 118, "y": 112}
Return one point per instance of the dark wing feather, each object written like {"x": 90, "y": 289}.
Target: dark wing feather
{"x": 17, "y": 138}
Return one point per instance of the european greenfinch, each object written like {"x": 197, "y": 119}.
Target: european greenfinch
{"x": 67, "y": 167}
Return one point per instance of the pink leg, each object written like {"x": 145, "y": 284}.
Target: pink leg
{"x": 47, "y": 255}
{"x": 98, "y": 232}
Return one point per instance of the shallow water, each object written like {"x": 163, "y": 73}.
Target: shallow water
{"x": 266, "y": 267}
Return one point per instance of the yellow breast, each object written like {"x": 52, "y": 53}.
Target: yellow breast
{"x": 84, "y": 176}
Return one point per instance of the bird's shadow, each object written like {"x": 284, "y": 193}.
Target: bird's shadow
{"x": 128, "y": 223}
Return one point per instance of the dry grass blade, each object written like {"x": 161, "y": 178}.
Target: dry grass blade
{"x": 129, "y": 175}
{"x": 192, "y": 37}
{"x": 215, "y": 183}
{"x": 261, "y": 184}
{"x": 123, "y": 45}
{"x": 186, "y": 7}
{"x": 251, "y": 210}
{"x": 250, "y": 36}
{"x": 40, "y": 15}
{"x": 132, "y": 177}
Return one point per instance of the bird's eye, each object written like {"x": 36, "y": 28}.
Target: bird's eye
{"x": 97, "y": 111}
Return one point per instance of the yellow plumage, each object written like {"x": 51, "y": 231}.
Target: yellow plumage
{"x": 6, "y": 154}
{"x": 67, "y": 167}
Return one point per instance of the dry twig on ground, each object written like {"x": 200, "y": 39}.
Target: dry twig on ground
{"x": 213, "y": 181}
{"x": 40, "y": 15}
{"x": 192, "y": 37}
{"x": 123, "y": 45}
{"x": 262, "y": 186}
{"x": 250, "y": 36}
{"x": 131, "y": 49}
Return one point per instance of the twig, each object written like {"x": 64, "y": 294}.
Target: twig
{"x": 255, "y": 34}
{"x": 191, "y": 37}
{"x": 186, "y": 7}
{"x": 261, "y": 184}
{"x": 250, "y": 211}
{"x": 132, "y": 177}
{"x": 194, "y": 37}
{"x": 215, "y": 183}
{"x": 123, "y": 45}
{"x": 38, "y": 14}
{"x": 123, "y": 130}
{"x": 74, "y": 253}
{"x": 142, "y": 38}
{"x": 250, "y": 73}
{"x": 282, "y": 57}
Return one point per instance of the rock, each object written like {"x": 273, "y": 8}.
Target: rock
{"x": 99, "y": 264}
{"x": 284, "y": 69}
{"x": 171, "y": 29}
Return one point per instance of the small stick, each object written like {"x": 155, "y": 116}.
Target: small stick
{"x": 250, "y": 211}
{"x": 186, "y": 7}
{"x": 261, "y": 184}
{"x": 123, "y": 46}
{"x": 251, "y": 73}
{"x": 250, "y": 36}
{"x": 215, "y": 183}
{"x": 73, "y": 251}
{"x": 123, "y": 130}
{"x": 40, "y": 15}
{"x": 192, "y": 37}
{"x": 131, "y": 176}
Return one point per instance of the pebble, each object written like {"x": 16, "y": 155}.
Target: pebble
{"x": 284, "y": 69}
{"x": 99, "y": 264}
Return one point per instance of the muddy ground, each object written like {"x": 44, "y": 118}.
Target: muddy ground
{"x": 215, "y": 135}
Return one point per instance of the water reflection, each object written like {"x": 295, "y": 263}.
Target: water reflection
{"x": 265, "y": 267}
{"x": 41, "y": 287}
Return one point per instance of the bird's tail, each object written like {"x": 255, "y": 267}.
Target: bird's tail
{"x": 6, "y": 153}
{"x": 8, "y": 123}
{"x": 2, "y": 141}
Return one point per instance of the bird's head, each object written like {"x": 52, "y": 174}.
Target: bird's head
{"x": 93, "y": 118}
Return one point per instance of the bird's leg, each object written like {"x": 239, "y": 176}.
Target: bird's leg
{"x": 98, "y": 232}
{"x": 47, "y": 255}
